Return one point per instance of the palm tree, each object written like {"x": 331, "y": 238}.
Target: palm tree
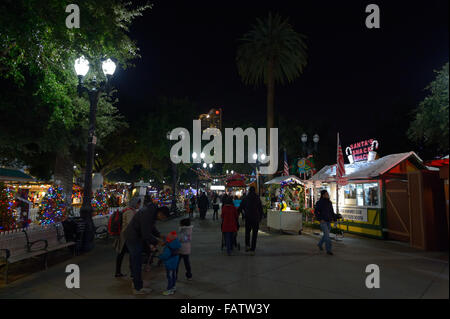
{"x": 271, "y": 52}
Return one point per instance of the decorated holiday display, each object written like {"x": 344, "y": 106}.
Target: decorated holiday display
{"x": 7, "y": 211}
{"x": 52, "y": 208}
{"x": 100, "y": 202}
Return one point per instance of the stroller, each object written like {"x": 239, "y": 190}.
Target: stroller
{"x": 235, "y": 243}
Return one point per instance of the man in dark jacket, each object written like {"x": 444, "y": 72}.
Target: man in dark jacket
{"x": 141, "y": 231}
{"x": 251, "y": 207}
{"x": 325, "y": 215}
{"x": 203, "y": 204}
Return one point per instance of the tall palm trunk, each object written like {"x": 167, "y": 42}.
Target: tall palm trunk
{"x": 270, "y": 103}
{"x": 174, "y": 185}
{"x": 270, "y": 97}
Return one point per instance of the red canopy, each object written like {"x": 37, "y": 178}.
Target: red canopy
{"x": 236, "y": 180}
{"x": 236, "y": 184}
{"x": 438, "y": 163}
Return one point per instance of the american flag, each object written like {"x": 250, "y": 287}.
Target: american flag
{"x": 286, "y": 166}
{"x": 340, "y": 167}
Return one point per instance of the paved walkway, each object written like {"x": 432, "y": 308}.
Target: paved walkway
{"x": 285, "y": 266}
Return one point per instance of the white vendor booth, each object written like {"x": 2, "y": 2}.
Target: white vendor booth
{"x": 287, "y": 219}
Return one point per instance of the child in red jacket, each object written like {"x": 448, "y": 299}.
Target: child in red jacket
{"x": 229, "y": 223}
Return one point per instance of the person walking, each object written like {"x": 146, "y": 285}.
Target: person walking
{"x": 252, "y": 213}
{"x": 203, "y": 205}
{"x": 185, "y": 237}
{"x": 229, "y": 223}
{"x": 324, "y": 213}
{"x": 141, "y": 231}
{"x": 192, "y": 207}
{"x": 216, "y": 203}
{"x": 119, "y": 242}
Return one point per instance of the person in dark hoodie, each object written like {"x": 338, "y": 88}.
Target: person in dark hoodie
{"x": 141, "y": 231}
{"x": 324, "y": 213}
{"x": 251, "y": 207}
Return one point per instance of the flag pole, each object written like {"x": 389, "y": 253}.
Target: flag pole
{"x": 337, "y": 184}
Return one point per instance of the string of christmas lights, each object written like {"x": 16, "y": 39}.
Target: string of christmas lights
{"x": 7, "y": 211}
{"x": 52, "y": 208}
{"x": 100, "y": 202}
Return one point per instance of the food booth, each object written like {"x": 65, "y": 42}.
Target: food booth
{"x": 382, "y": 198}
{"x": 236, "y": 185}
{"x": 285, "y": 214}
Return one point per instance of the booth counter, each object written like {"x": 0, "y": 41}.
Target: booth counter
{"x": 288, "y": 220}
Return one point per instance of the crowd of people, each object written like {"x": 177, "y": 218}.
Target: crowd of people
{"x": 139, "y": 235}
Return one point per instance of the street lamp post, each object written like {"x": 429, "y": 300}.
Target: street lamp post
{"x": 257, "y": 165}
{"x": 82, "y": 68}
{"x": 309, "y": 148}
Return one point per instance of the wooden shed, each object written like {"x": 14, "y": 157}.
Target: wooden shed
{"x": 394, "y": 197}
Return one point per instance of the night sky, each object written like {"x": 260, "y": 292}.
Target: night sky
{"x": 362, "y": 82}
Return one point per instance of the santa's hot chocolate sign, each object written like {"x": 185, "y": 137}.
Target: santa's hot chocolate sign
{"x": 362, "y": 151}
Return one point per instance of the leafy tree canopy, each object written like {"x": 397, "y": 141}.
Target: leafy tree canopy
{"x": 430, "y": 124}
{"x": 42, "y": 112}
{"x": 271, "y": 40}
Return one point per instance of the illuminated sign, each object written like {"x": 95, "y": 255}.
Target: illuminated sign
{"x": 217, "y": 188}
{"x": 362, "y": 151}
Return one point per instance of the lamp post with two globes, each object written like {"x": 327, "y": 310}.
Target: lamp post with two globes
{"x": 204, "y": 164}
{"x": 258, "y": 160}
{"x": 93, "y": 90}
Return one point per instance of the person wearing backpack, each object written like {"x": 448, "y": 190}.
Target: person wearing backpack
{"x": 170, "y": 257}
{"x": 117, "y": 225}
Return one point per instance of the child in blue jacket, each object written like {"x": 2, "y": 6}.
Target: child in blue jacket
{"x": 170, "y": 257}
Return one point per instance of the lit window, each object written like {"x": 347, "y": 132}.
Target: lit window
{"x": 371, "y": 196}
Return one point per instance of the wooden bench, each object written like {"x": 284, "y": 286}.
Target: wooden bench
{"x": 53, "y": 234}
{"x": 15, "y": 246}
{"x": 24, "y": 244}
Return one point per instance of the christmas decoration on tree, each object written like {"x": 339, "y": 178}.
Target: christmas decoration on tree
{"x": 52, "y": 208}
{"x": 7, "y": 216}
{"x": 100, "y": 203}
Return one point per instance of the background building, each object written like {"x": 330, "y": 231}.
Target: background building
{"x": 212, "y": 119}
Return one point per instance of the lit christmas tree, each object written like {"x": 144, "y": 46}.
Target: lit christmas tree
{"x": 52, "y": 208}
{"x": 7, "y": 219}
{"x": 100, "y": 203}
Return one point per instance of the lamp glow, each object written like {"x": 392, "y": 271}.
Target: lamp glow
{"x": 109, "y": 67}
{"x": 316, "y": 138}
{"x": 211, "y": 165}
{"x": 194, "y": 155}
{"x": 304, "y": 138}
{"x": 255, "y": 156}
{"x": 204, "y": 165}
{"x": 263, "y": 157}
{"x": 202, "y": 155}
{"x": 81, "y": 66}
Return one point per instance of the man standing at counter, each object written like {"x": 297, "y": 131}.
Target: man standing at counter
{"x": 325, "y": 215}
